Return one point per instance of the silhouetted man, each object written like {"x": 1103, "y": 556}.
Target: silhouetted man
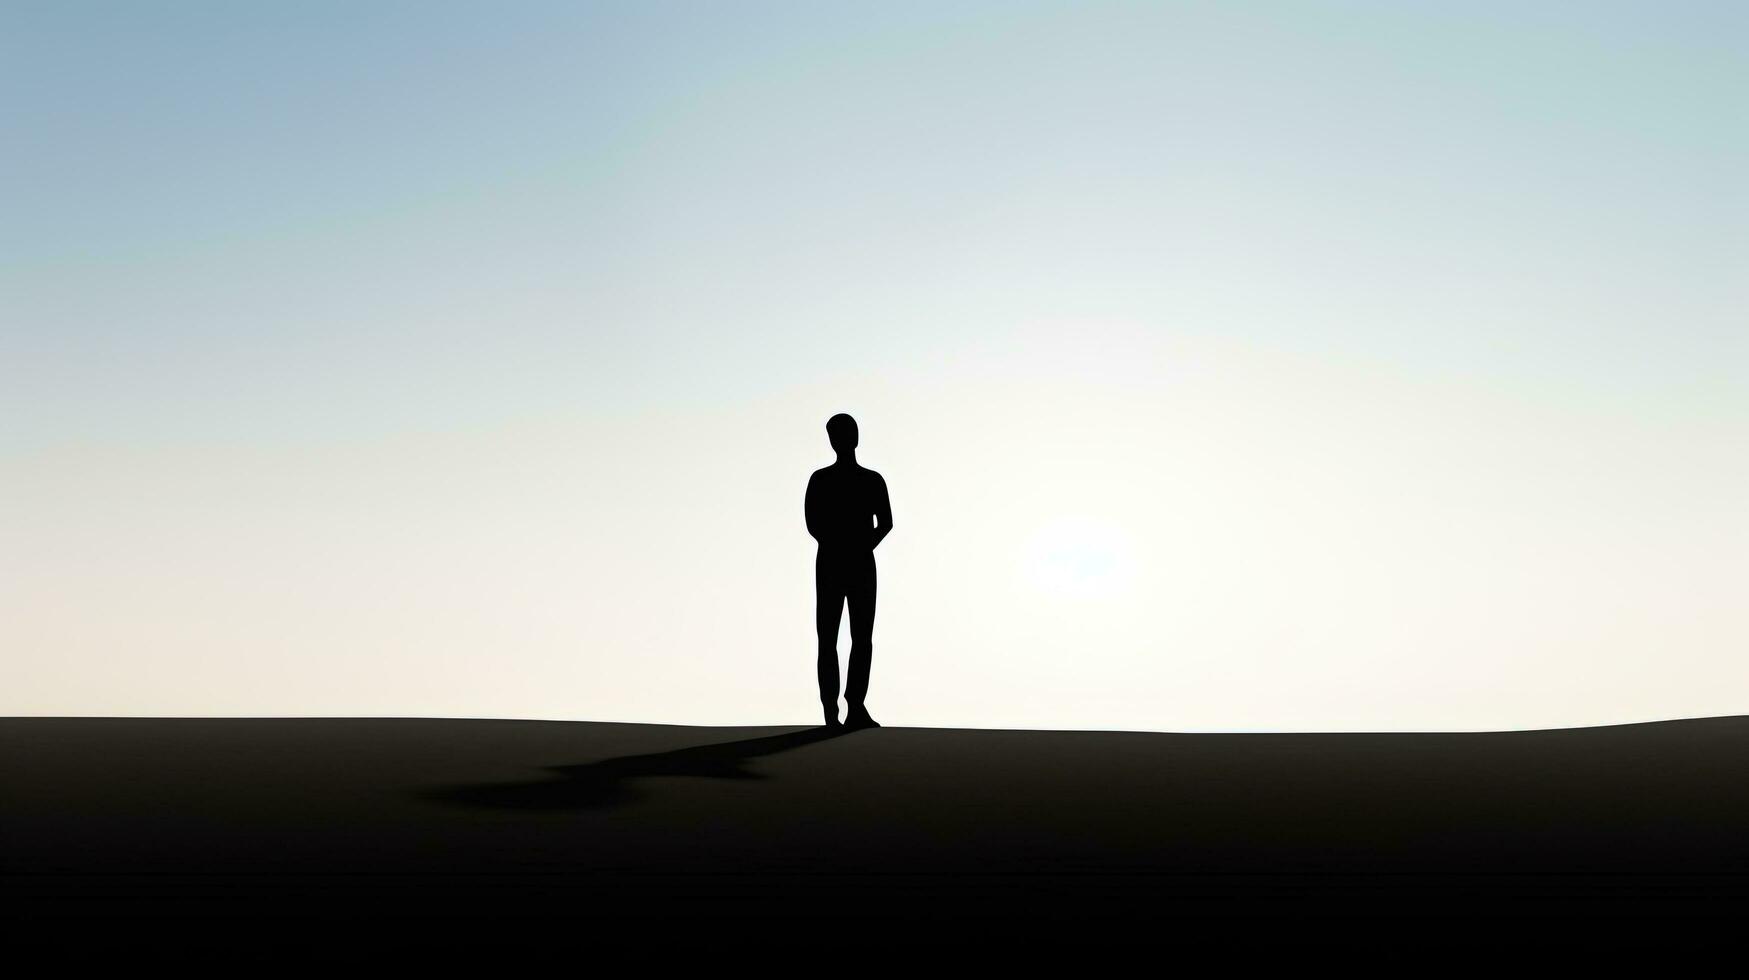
{"x": 848, "y": 513}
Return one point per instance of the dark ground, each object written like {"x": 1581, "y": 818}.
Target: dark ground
{"x": 707, "y": 831}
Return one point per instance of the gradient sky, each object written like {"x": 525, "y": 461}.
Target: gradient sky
{"x": 1338, "y": 365}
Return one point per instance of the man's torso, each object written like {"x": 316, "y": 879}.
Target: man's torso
{"x": 844, "y": 500}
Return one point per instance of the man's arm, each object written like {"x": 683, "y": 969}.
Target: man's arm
{"x": 811, "y": 508}
{"x": 883, "y": 512}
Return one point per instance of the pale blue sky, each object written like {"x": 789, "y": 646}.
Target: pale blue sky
{"x": 241, "y": 241}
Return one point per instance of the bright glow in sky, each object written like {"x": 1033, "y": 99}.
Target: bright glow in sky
{"x": 1323, "y": 365}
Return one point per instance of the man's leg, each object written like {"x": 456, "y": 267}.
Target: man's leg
{"x": 860, "y": 594}
{"x": 828, "y": 607}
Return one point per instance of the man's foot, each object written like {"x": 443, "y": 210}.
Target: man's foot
{"x": 831, "y": 715}
{"x": 858, "y": 718}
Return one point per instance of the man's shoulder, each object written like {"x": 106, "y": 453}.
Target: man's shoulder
{"x": 836, "y": 472}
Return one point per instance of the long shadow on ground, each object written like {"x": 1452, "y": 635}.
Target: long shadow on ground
{"x": 611, "y": 782}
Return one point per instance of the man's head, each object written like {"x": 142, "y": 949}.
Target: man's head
{"x": 841, "y": 429}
